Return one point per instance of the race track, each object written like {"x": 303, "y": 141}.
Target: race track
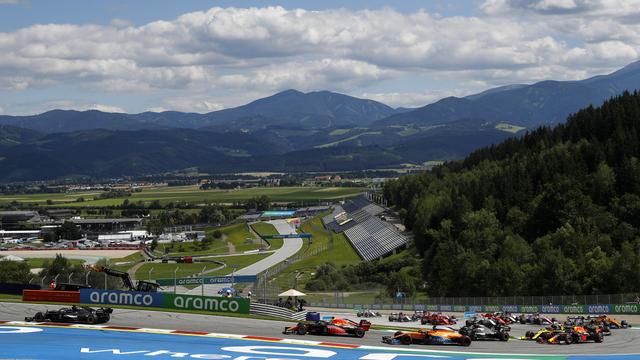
{"x": 624, "y": 341}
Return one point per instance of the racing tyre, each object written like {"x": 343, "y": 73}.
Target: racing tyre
{"x": 359, "y": 332}
{"x": 568, "y": 340}
{"x": 598, "y": 337}
{"x": 466, "y": 341}
{"x": 504, "y": 336}
{"x": 541, "y": 340}
{"x": 39, "y": 317}
{"x": 91, "y": 319}
{"x": 107, "y": 317}
{"x": 468, "y": 322}
{"x": 529, "y": 334}
{"x": 624, "y": 324}
{"x": 301, "y": 330}
{"x": 405, "y": 340}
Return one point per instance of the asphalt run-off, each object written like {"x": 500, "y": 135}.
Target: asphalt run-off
{"x": 20, "y": 340}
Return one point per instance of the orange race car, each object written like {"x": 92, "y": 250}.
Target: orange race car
{"x": 610, "y": 322}
{"x": 437, "y": 336}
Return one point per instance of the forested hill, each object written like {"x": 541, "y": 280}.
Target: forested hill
{"x": 554, "y": 212}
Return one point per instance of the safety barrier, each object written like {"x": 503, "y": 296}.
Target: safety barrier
{"x": 16, "y": 289}
{"x": 276, "y": 311}
{"x": 164, "y": 300}
{"x": 630, "y": 308}
{"x": 51, "y": 296}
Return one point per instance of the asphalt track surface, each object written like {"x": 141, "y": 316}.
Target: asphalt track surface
{"x": 289, "y": 248}
{"x": 621, "y": 342}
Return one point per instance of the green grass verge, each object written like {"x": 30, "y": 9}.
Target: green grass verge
{"x": 165, "y": 271}
{"x": 265, "y": 229}
{"x": 37, "y": 263}
{"x": 342, "y": 253}
{"x": 191, "y": 194}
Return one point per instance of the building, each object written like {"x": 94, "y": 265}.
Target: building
{"x": 14, "y": 219}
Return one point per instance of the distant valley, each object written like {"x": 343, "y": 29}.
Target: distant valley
{"x": 289, "y": 131}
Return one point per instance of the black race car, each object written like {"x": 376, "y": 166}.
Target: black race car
{"x": 74, "y": 314}
{"x": 480, "y": 332}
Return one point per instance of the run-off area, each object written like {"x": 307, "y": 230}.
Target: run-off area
{"x": 27, "y": 342}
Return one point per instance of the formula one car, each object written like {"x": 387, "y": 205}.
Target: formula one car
{"x": 543, "y": 333}
{"x": 437, "y": 319}
{"x": 576, "y": 334}
{"x": 400, "y": 317}
{"x": 481, "y": 332}
{"x": 368, "y": 313}
{"x": 534, "y": 319}
{"x": 501, "y": 318}
{"x": 439, "y": 335}
{"x": 611, "y": 323}
{"x": 342, "y": 327}
{"x": 481, "y": 320}
{"x": 74, "y": 314}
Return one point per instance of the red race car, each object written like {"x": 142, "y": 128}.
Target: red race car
{"x": 437, "y": 319}
{"x": 342, "y": 327}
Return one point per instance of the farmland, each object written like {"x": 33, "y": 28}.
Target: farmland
{"x": 190, "y": 194}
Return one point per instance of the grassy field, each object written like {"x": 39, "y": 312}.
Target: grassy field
{"x": 191, "y": 194}
{"x": 165, "y": 271}
{"x": 264, "y": 229}
{"x": 238, "y": 235}
{"x": 37, "y": 263}
{"x": 341, "y": 253}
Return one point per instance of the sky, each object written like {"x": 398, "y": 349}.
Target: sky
{"x": 202, "y": 56}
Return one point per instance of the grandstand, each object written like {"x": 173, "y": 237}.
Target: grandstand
{"x": 371, "y": 237}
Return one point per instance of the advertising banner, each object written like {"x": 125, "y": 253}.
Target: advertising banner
{"x": 625, "y": 308}
{"x": 117, "y": 297}
{"x": 529, "y": 308}
{"x": 431, "y": 307}
{"x": 459, "y": 308}
{"x": 51, "y": 296}
{"x": 491, "y": 308}
{"x": 209, "y": 280}
{"x": 550, "y": 309}
{"x": 574, "y": 309}
{"x": 446, "y": 307}
{"x": 474, "y": 308}
{"x": 206, "y": 303}
{"x": 510, "y": 308}
{"x": 599, "y": 309}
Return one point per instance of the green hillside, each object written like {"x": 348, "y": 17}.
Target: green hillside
{"x": 554, "y": 212}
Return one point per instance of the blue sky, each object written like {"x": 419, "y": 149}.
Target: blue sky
{"x": 201, "y": 56}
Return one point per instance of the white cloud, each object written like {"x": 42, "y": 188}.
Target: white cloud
{"x": 1, "y": 110}
{"x": 236, "y": 51}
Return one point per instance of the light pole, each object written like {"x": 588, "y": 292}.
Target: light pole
{"x": 42, "y": 282}
{"x": 105, "y": 281}
{"x": 175, "y": 281}
{"x": 55, "y": 280}
{"x": 86, "y": 278}
{"x": 69, "y": 279}
{"x": 202, "y": 278}
{"x": 150, "y": 270}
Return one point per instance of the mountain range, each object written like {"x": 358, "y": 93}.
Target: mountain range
{"x": 290, "y": 131}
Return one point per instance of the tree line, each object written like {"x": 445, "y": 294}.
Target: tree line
{"x": 554, "y": 212}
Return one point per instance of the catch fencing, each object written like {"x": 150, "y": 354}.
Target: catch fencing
{"x": 572, "y": 304}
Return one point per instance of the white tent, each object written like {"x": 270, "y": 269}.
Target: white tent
{"x": 12, "y": 258}
{"x": 292, "y": 292}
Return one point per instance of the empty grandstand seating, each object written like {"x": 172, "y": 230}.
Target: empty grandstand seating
{"x": 371, "y": 237}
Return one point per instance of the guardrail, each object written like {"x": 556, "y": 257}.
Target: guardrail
{"x": 276, "y": 311}
{"x": 630, "y": 308}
